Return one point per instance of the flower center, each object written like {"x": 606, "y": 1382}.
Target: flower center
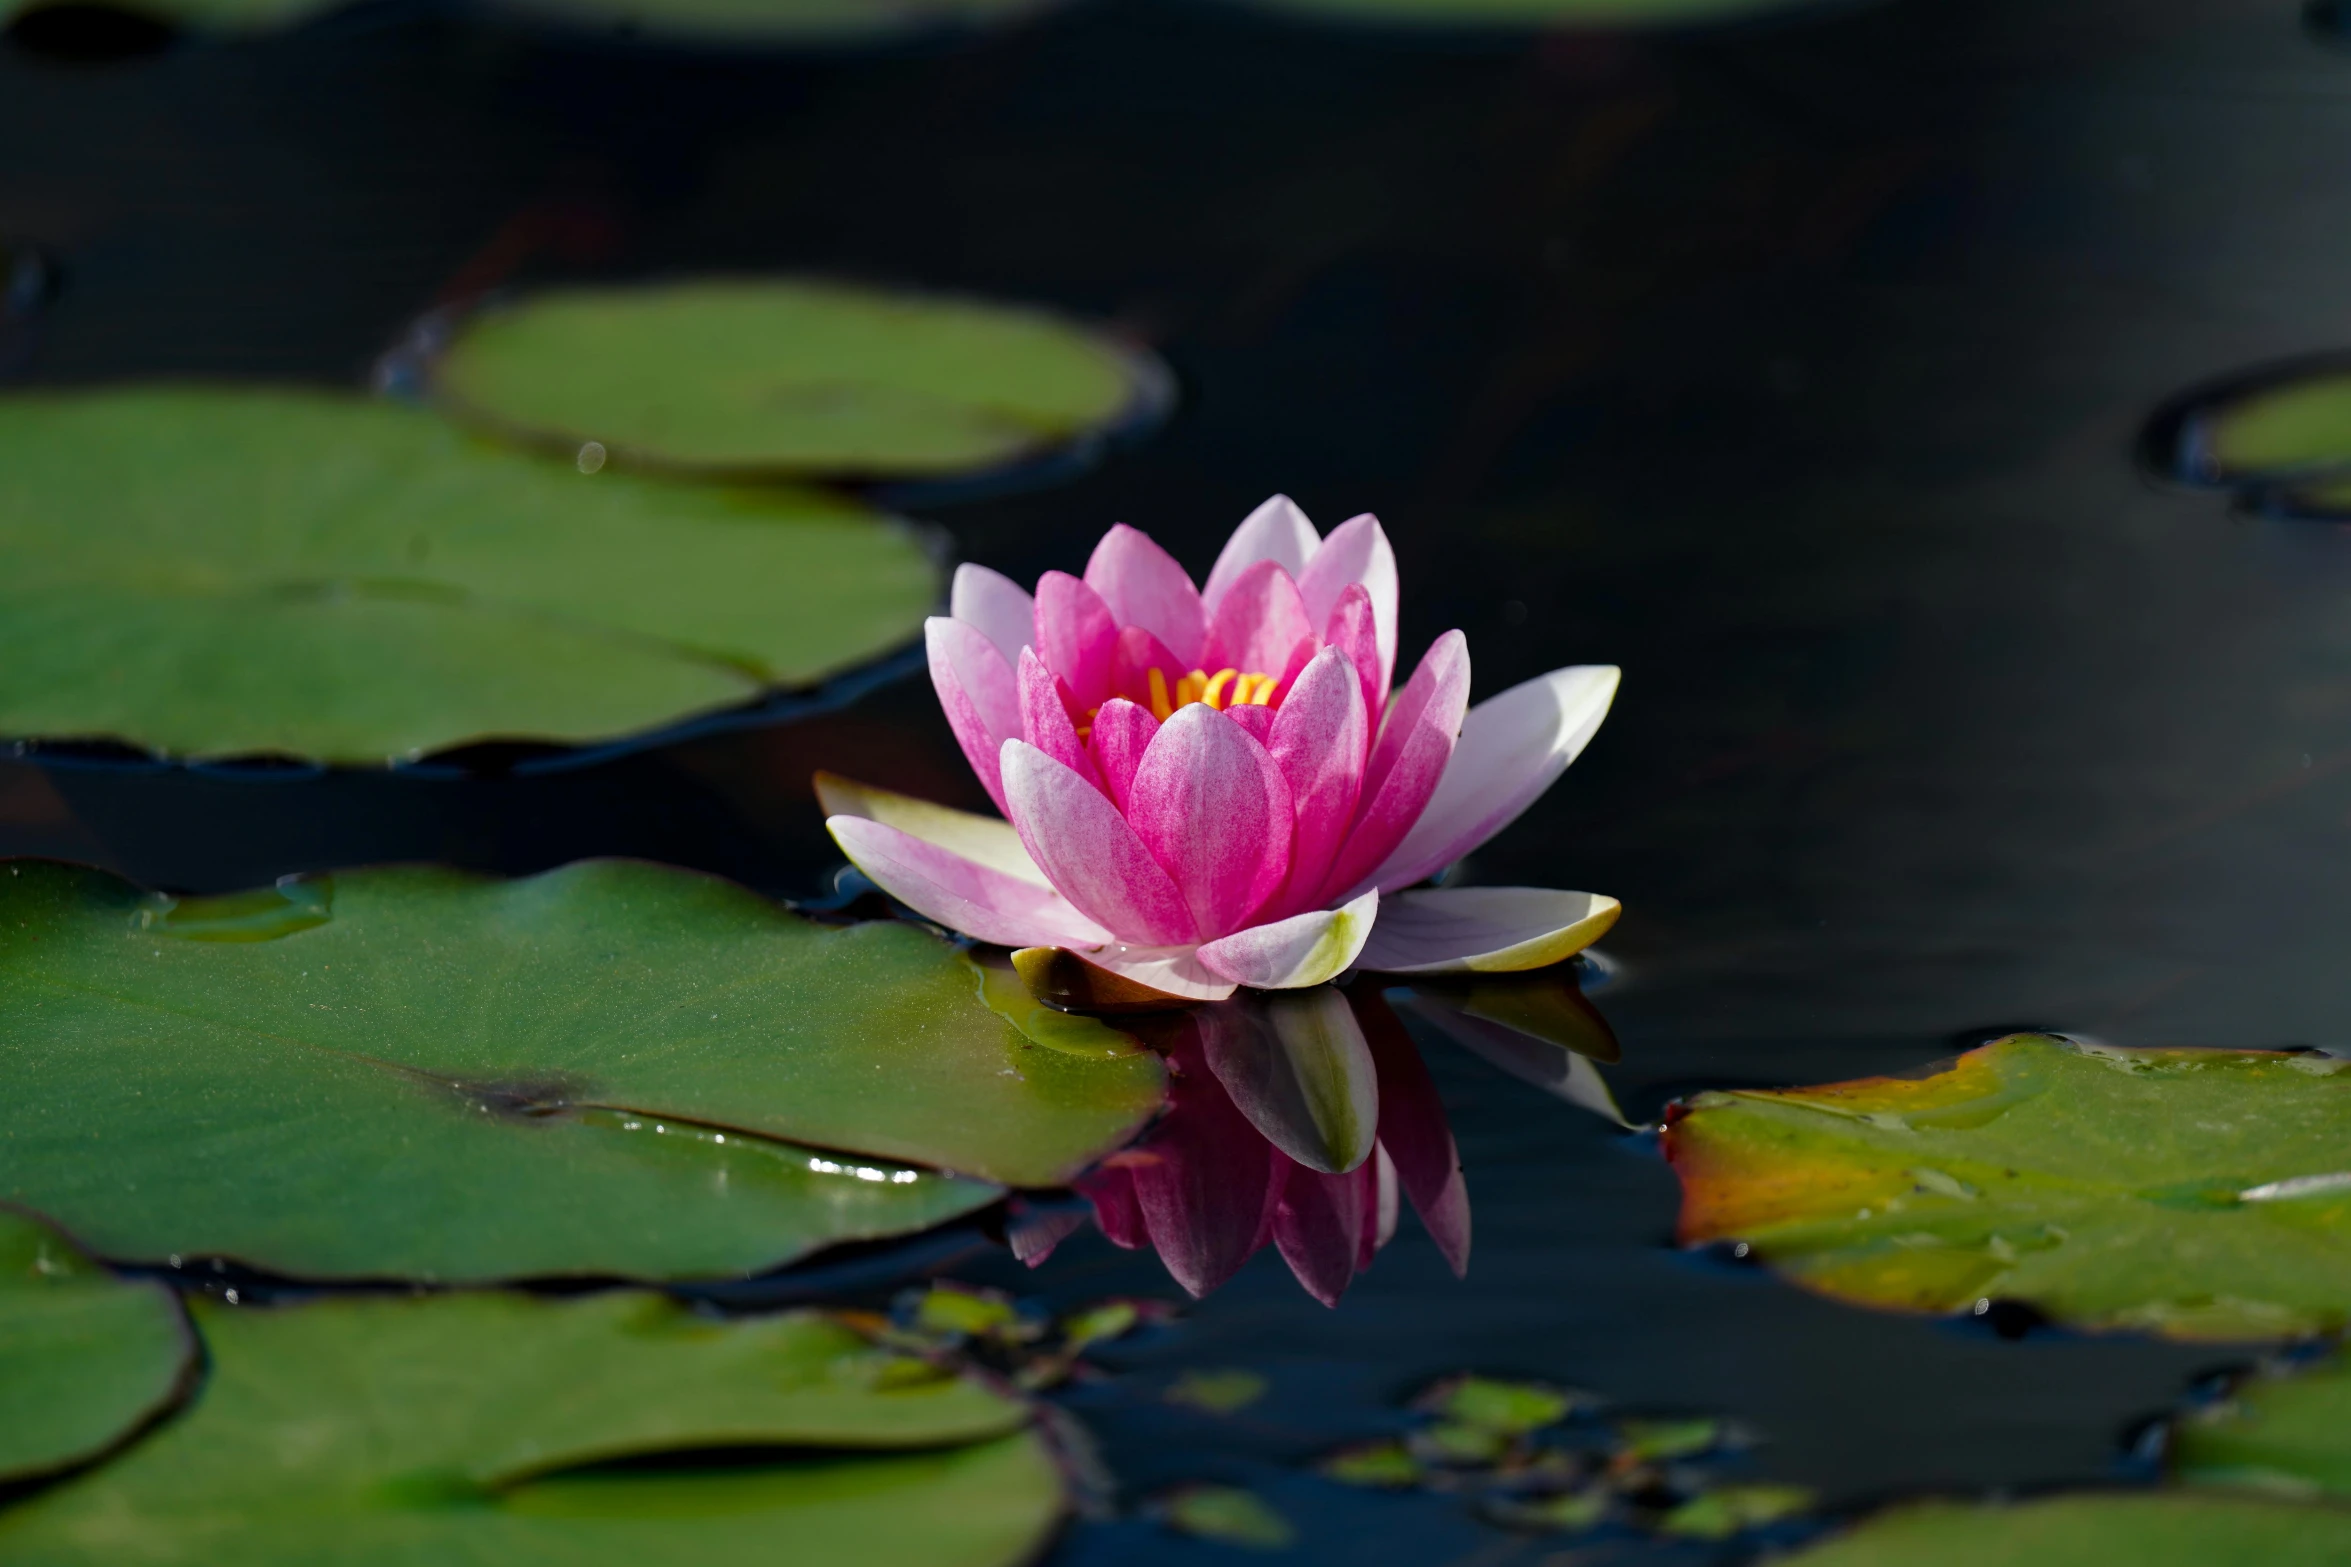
{"x": 1226, "y": 688}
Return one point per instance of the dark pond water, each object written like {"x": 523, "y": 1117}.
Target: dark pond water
{"x": 1798, "y": 368}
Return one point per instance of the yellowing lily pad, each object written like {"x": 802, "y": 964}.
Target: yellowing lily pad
{"x": 483, "y": 1428}
{"x": 209, "y": 571}
{"x": 2199, "y": 1194}
{"x": 784, "y": 376}
{"x": 85, "y": 1357}
{"x": 610, "y": 1069}
{"x": 2180, "y": 1529}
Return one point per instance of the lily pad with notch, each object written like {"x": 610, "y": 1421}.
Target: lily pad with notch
{"x": 613, "y": 1068}
{"x": 86, "y": 1357}
{"x": 208, "y": 571}
{"x": 785, "y": 377}
{"x": 2195, "y": 1194}
{"x": 618, "y": 1427}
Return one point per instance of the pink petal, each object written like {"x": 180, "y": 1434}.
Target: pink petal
{"x": 1356, "y": 553}
{"x": 1305, "y": 949}
{"x": 1300, "y": 656}
{"x": 1208, "y": 1188}
{"x": 1077, "y": 635}
{"x": 984, "y": 840}
{"x": 1484, "y": 930}
{"x": 1351, "y": 630}
{"x": 1132, "y": 658}
{"x": 1044, "y": 719}
{"x": 1122, "y": 732}
{"x": 1145, "y": 587}
{"x": 1079, "y": 840}
{"x": 1277, "y": 531}
{"x": 1254, "y": 717}
{"x": 960, "y": 894}
{"x": 1213, "y": 809}
{"x": 1318, "y": 742}
{"x": 1512, "y": 748}
{"x": 1406, "y": 762}
{"x": 1319, "y": 1228}
{"x": 977, "y": 693}
{"x": 1259, "y": 622}
{"x": 1413, "y": 1130}
{"x": 1173, "y": 971}
{"x": 1111, "y": 1190}
{"x": 1000, "y": 607}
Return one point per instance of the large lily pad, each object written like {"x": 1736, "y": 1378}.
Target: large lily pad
{"x": 85, "y": 1357}
{"x": 210, "y": 571}
{"x": 783, "y": 377}
{"x": 2181, "y": 1529}
{"x": 2287, "y": 1434}
{"x": 459, "y": 1428}
{"x": 2193, "y": 1193}
{"x": 601, "y": 1070}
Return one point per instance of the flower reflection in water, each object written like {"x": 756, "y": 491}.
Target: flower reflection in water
{"x": 1307, "y": 1121}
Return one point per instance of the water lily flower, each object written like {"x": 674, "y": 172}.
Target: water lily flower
{"x": 1215, "y": 787}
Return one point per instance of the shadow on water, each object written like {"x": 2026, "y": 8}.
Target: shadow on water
{"x": 1797, "y": 370}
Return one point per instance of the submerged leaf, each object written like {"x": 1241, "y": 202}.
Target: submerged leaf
{"x": 85, "y": 1357}
{"x": 210, "y": 571}
{"x": 2190, "y": 1193}
{"x": 612, "y": 1068}
{"x": 1732, "y": 1509}
{"x": 1387, "y": 1465}
{"x": 1225, "y": 1392}
{"x": 1228, "y": 1515}
{"x": 465, "y": 1428}
{"x": 1505, "y": 1408}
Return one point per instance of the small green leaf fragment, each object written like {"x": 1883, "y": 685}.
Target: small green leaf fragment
{"x": 1649, "y": 1441}
{"x": 954, "y": 1311}
{"x": 1450, "y": 1442}
{"x": 1221, "y": 1392}
{"x": 1569, "y": 1511}
{"x": 1384, "y": 1465}
{"x": 1098, "y": 1324}
{"x": 1504, "y": 1408}
{"x": 1229, "y": 1515}
{"x": 1731, "y": 1509}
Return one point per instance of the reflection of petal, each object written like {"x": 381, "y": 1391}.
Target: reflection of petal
{"x": 1548, "y": 1003}
{"x": 1549, "y": 1067}
{"x": 1111, "y": 1190}
{"x": 984, "y": 840}
{"x": 1488, "y": 930}
{"x": 1384, "y": 1205}
{"x": 961, "y": 894}
{"x": 1413, "y": 1130}
{"x": 1297, "y": 1066}
{"x": 1292, "y": 954}
{"x": 1512, "y": 748}
{"x": 1205, "y": 1180}
{"x": 1175, "y": 972}
{"x": 1319, "y": 1227}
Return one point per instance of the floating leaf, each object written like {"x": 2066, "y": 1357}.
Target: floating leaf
{"x": 1733, "y": 1509}
{"x": 2289, "y": 1434}
{"x": 210, "y": 571}
{"x": 85, "y": 1357}
{"x": 1386, "y": 1465}
{"x": 464, "y": 1427}
{"x": 783, "y": 377}
{"x": 2194, "y": 1193}
{"x": 1649, "y": 1441}
{"x": 953, "y": 1310}
{"x": 600, "y": 1070}
{"x": 1568, "y": 1511}
{"x": 1228, "y": 1515}
{"x": 2285, "y": 426}
{"x": 1225, "y": 1392}
{"x": 2182, "y": 1529}
{"x": 1505, "y": 1408}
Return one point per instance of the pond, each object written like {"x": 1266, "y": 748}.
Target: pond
{"x": 1880, "y": 386}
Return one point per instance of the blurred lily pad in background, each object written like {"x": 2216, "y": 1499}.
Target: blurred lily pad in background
{"x": 2280, "y": 437}
{"x": 608, "y": 1069}
{"x": 496, "y": 1428}
{"x": 787, "y": 377}
{"x": 2175, "y": 1529}
{"x": 85, "y": 1357}
{"x": 2198, "y": 1194}
{"x": 2283, "y": 1433}
{"x": 217, "y": 570}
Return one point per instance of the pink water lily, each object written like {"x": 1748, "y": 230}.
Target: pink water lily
{"x": 1209, "y": 788}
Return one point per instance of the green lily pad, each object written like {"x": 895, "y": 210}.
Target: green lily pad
{"x": 2287, "y": 1434}
{"x": 85, "y": 1357}
{"x": 2285, "y": 428}
{"x": 1228, "y": 1515}
{"x": 2183, "y": 1529}
{"x": 2199, "y": 1194}
{"x": 209, "y": 571}
{"x": 1533, "y": 13}
{"x": 467, "y": 1429}
{"x": 610, "y": 1069}
{"x": 783, "y": 376}
{"x": 804, "y": 22}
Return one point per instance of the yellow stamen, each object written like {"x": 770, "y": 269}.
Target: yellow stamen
{"x": 1189, "y": 688}
{"x": 1214, "y": 695}
{"x": 1161, "y": 707}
